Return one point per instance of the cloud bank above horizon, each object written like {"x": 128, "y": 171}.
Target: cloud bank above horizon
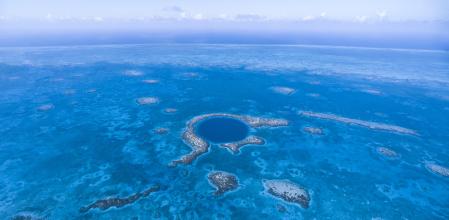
{"x": 284, "y": 21}
{"x": 231, "y": 10}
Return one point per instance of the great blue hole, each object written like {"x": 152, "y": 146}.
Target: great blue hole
{"x": 222, "y": 130}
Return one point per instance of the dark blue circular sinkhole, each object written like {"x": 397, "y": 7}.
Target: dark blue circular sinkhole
{"x": 222, "y": 130}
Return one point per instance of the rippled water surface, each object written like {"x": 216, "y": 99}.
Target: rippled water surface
{"x": 74, "y": 130}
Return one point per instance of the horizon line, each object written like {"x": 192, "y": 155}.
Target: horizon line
{"x": 231, "y": 44}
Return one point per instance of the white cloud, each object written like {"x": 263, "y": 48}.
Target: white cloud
{"x": 308, "y": 18}
{"x": 361, "y": 19}
{"x": 98, "y": 19}
{"x": 224, "y": 16}
{"x": 49, "y": 17}
{"x": 382, "y": 14}
{"x": 249, "y": 17}
{"x": 198, "y": 16}
{"x": 183, "y": 15}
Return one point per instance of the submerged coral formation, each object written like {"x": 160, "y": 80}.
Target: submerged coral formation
{"x": 150, "y": 81}
{"x": 132, "y": 73}
{"x": 222, "y": 181}
{"x": 234, "y": 147}
{"x": 200, "y": 146}
{"x": 367, "y": 124}
{"x": 105, "y": 204}
{"x": 45, "y": 107}
{"x": 283, "y": 90}
{"x": 147, "y": 100}
{"x": 170, "y": 110}
{"x": 438, "y": 169}
{"x": 161, "y": 130}
{"x": 387, "y": 152}
{"x": 288, "y": 191}
{"x": 26, "y": 216}
{"x": 313, "y": 130}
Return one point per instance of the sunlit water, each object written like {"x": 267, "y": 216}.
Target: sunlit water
{"x": 73, "y": 132}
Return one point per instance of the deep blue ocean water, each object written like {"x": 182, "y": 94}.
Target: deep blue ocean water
{"x": 72, "y": 132}
{"x": 222, "y": 130}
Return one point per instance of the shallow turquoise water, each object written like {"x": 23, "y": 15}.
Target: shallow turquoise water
{"x": 95, "y": 141}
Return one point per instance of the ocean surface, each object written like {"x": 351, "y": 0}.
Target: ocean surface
{"x": 74, "y": 130}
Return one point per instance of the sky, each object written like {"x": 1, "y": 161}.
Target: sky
{"x": 394, "y": 20}
{"x": 349, "y": 10}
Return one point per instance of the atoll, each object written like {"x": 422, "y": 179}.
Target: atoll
{"x": 313, "y": 130}
{"x": 283, "y": 90}
{"x": 200, "y": 146}
{"x": 147, "y": 100}
{"x": 234, "y": 147}
{"x": 222, "y": 181}
{"x": 288, "y": 191}
{"x": 438, "y": 169}
{"x": 105, "y": 204}
{"x": 387, "y": 152}
{"x": 367, "y": 124}
{"x": 45, "y": 107}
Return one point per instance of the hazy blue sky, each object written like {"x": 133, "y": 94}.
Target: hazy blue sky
{"x": 99, "y": 10}
{"x": 390, "y": 23}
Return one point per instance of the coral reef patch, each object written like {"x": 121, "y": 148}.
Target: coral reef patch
{"x": 313, "y": 130}
{"x": 147, "y": 100}
{"x": 438, "y": 169}
{"x": 105, "y": 204}
{"x": 234, "y": 147}
{"x": 357, "y": 122}
{"x": 283, "y": 90}
{"x": 387, "y": 152}
{"x": 222, "y": 181}
{"x": 288, "y": 191}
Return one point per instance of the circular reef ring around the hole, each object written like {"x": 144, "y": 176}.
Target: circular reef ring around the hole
{"x": 200, "y": 146}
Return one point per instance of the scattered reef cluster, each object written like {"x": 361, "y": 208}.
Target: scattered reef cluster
{"x": 224, "y": 182}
